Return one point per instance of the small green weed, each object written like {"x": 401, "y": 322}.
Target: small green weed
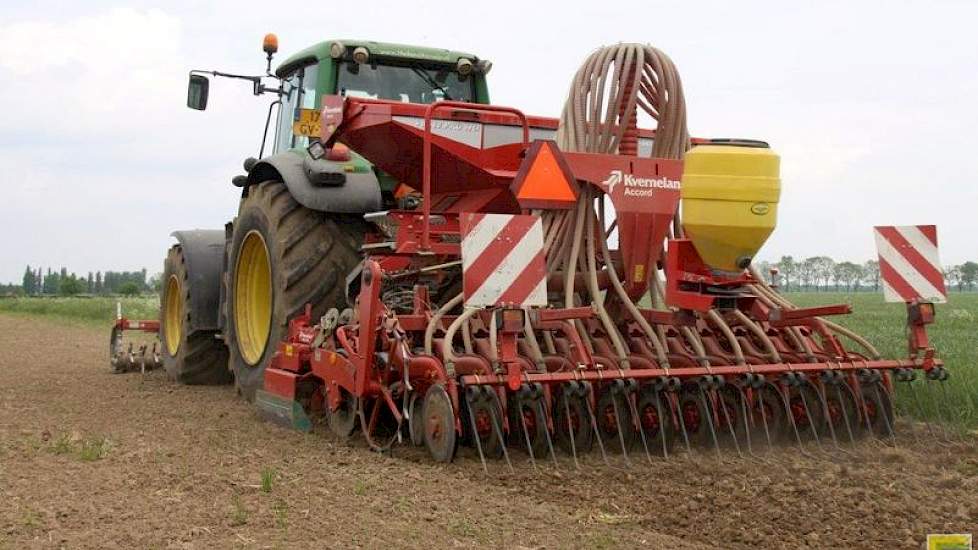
{"x": 281, "y": 510}
{"x": 460, "y": 527}
{"x": 239, "y": 514}
{"x": 94, "y": 448}
{"x": 31, "y": 519}
{"x": 267, "y": 477}
{"x": 62, "y": 445}
{"x": 360, "y": 488}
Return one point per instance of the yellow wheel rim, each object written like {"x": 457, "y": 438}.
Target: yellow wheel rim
{"x": 252, "y": 298}
{"x": 173, "y": 315}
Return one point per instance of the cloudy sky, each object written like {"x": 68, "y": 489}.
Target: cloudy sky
{"x": 872, "y": 106}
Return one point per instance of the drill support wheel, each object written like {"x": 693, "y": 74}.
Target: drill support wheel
{"x": 439, "y": 424}
{"x": 343, "y": 421}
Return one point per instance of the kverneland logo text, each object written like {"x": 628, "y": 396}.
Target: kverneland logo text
{"x": 637, "y": 187}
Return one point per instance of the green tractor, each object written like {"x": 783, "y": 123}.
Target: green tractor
{"x": 229, "y": 294}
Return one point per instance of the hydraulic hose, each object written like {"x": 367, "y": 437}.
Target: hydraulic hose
{"x": 429, "y": 332}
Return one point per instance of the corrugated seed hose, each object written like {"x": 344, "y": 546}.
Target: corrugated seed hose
{"x": 763, "y": 288}
{"x": 600, "y": 117}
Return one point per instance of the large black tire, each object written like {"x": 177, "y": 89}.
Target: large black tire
{"x": 310, "y": 253}
{"x": 200, "y": 357}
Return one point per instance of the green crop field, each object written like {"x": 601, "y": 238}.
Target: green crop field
{"x": 955, "y": 335}
{"x": 98, "y": 310}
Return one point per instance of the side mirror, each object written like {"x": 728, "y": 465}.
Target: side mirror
{"x": 197, "y": 92}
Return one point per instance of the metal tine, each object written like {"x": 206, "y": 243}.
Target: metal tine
{"x": 791, "y": 419}
{"x": 865, "y": 409}
{"x": 748, "y": 420}
{"x": 570, "y": 429}
{"x": 621, "y": 434}
{"x": 920, "y": 411}
{"x": 594, "y": 425}
{"x": 744, "y": 409}
{"x": 808, "y": 415}
{"x": 726, "y": 415}
{"x": 709, "y": 417}
{"x": 637, "y": 420}
{"x": 526, "y": 434}
{"x": 861, "y": 402}
{"x": 682, "y": 427}
{"x": 820, "y": 393}
{"x": 882, "y": 410}
{"x": 496, "y": 419}
{"x": 546, "y": 431}
{"x": 940, "y": 412}
{"x": 947, "y": 403}
{"x": 845, "y": 415}
{"x": 662, "y": 420}
{"x": 746, "y": 424}
{"x": 767, "y": 431}
{"x": 475, "y": 432}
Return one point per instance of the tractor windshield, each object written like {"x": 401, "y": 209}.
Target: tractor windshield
{"x": 298, "y": 93}
{"x": 410, "y": 83}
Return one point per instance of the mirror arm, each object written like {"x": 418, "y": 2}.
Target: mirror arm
{"x": 227, "y": 75}
{"x": 268, "y": 120}
{"x": 257, "y": 87}
{"x": 261, "y": 89}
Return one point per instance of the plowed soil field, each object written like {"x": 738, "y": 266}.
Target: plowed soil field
{"x": 89, "y": 459}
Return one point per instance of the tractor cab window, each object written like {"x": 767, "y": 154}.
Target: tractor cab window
{"x": 299, "y": 92}
{"x": 408, "y": 82}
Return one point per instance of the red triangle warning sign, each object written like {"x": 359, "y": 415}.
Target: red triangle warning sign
{"x": 544, "y": 180}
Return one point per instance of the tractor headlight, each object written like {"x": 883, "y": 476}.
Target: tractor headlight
{"x": 464, "y": 67}
{"x": 336, "y": 50}
{"x": 316, "y": 150}
{"x": 361, "y": 55}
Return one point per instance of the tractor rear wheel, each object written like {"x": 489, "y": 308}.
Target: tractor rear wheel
{"x": 282, "y": 257}
{"x": 189, "y": 357}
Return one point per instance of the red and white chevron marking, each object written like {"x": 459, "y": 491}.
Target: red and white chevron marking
{"x": 503, "y": 262}
{"x": 909, "y": 263}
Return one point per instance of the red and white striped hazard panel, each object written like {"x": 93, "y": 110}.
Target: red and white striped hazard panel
{"x": 909, "y": 263}
{"x": 503, "y": 262}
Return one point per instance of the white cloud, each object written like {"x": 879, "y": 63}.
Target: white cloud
{"x": 872, "y": 111}
{"x": 91, "y": 76}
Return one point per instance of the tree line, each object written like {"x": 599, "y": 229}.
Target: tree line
{"x": 39, "y": 282}
{"x": 817, "y": 273}
{"x": 822, "y": 273}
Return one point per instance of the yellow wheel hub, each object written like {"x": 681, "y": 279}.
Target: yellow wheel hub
{"x": 252, "y": 298}
{"x": 173, "y": 315}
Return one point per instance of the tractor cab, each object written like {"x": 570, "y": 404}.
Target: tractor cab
{"x": 372, "y": 70}
{"x": 353, "y": 68}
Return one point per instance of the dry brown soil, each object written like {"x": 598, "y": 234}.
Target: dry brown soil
{"x": 92, "y": 459}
